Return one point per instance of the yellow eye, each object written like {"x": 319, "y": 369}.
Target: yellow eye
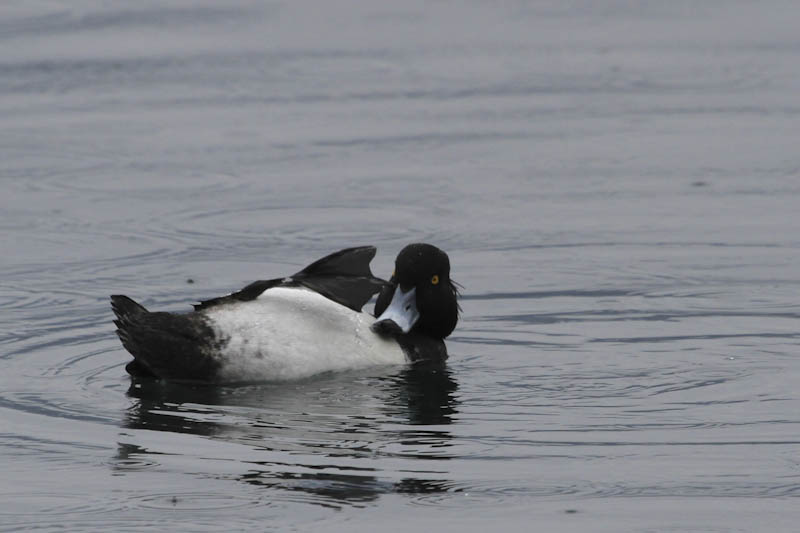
{"x": 435, "y": 279}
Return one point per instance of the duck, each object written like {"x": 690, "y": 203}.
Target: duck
{"x": 297, "y": 326}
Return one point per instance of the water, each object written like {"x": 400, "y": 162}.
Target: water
{"x": 617, "y": 185}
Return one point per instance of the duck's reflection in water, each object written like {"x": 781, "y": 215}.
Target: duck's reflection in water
{"x": 326, "y": 438}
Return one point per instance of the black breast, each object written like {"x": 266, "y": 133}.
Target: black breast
{"x": 420, "y": 348}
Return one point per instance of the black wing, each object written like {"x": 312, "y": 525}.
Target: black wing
{"x": 344, "y": 277}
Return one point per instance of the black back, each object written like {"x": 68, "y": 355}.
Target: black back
{"x": 344, "y": 277}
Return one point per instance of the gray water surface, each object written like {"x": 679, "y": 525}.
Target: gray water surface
{"x": 617, "y": 184}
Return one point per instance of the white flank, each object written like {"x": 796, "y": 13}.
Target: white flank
{"x": 289, "y": 333}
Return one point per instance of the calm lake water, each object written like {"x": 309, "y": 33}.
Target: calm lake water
{"x": 617, "y": 184}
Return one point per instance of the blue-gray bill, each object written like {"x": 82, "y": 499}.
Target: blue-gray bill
{"x": 401, "y": 315}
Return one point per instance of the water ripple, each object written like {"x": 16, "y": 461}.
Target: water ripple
{"x": 619, "y": 209}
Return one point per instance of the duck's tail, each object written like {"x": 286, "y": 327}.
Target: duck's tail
{"x": 127, "y": 310}
{"x": 164, "y": 345}
{"x": 129, "y": 313}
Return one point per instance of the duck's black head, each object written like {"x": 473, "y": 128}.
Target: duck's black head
{"x": 420, "y": 298}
